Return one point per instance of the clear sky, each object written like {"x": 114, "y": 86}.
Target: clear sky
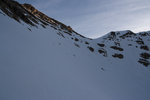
{"x": 94, "y": 18}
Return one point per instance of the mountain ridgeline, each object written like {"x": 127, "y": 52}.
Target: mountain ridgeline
{"x": 119, "y": 42}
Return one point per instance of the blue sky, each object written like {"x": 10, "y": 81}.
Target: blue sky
{"x": 94, "y": 18}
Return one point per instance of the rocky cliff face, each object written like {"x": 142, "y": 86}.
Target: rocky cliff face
{"x": 14, "y": 10}
{"x": 28, "y": 14}
{"x": 44, "y": 17}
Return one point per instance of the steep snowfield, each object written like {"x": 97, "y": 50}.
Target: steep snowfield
{"x": 49, "y": 64}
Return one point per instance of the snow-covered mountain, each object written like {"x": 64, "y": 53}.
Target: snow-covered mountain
{"x": 42, "y": 59}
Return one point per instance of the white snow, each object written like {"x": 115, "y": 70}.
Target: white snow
{"x": 41, "y": 65}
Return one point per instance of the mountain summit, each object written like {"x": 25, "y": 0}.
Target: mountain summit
{"x": 42, "y": 59}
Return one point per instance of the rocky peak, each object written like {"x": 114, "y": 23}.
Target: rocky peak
{"x": 44, "y": 17}
{"x": 28, "y": 14}
{"x": 15, "y": 10}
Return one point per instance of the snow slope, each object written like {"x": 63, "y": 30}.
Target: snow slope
{"x": 43, "y": 61}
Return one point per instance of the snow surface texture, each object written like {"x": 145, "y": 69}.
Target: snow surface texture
{"x": 43, "y": 61}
